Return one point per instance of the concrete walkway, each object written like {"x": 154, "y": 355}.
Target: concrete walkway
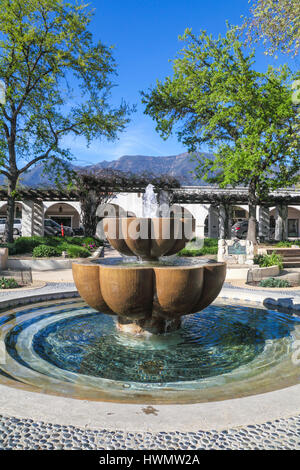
{"x": 61, "y": 275}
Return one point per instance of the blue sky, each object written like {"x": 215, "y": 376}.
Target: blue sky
{"x": 145, "y": 37}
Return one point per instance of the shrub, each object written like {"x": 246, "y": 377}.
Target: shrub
{"x": 211, "y": 242}
{"x": 258, "y": 259}
{"x": 202, "y": 251}
{"x": 27, "y": 244}
{"x": 92, "y": 241}
{"x": 265, "y": 261}
{"x": 284, "y": 244}
{"x": 11, "y": 248}
{"x": 8, "y": 283}
{"x": 273, "y": 282}
{"x": 44, "y": 251}
{"x": 210, "y": 247}
{"x": 75, "y": 251}
{"x": 74, "y": 240}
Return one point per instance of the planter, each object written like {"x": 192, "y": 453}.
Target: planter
{"x": 3, "y": 258}
{"x": 256, "y": 274}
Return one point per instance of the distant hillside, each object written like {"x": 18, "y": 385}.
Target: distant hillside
{"x": 179, "y": 166}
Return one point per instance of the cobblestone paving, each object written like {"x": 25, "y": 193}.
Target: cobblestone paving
{"x": 26, "y": 434}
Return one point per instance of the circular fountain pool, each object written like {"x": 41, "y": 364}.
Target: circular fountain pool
{"x": 225, "y": 351}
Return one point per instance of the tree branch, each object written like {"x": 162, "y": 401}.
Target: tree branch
{"x": 3, "y": 172}
{"x": 35, "y": 160}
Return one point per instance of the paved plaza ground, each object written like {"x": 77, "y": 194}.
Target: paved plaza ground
{"x": 19, "y": 432}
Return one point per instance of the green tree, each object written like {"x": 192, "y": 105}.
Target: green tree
{"x": 215, "y": 97}
{"x": 276, "y": 23}
{"x": 58, "y": 82}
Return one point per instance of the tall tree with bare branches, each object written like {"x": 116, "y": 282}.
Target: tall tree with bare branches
{"x": 57, "y": 82}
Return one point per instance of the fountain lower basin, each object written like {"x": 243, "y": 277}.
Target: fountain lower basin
{"x": 226, "y": 351}
{"x": 148, "y": 297}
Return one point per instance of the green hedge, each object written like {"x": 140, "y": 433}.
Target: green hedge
{"x": 210, "y": 247}
{"x": 73, "y": 251}
{"x": 24, "y": 245}
{"x": 27, "y": 244}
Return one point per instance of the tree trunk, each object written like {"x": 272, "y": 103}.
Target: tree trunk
{"x": 225, "y": 221}
{"x": 89, "y": 206}
{"x": 251, "y": 235}
{"x": 8, "y": 236}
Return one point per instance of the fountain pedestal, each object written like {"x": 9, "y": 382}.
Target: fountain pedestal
{"x": 148, "y": 298}
{"x": 153, "y": 325}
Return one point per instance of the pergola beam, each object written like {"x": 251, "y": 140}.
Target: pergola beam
{"x": 191, "y": 195}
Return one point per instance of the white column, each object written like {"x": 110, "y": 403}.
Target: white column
{"x": 264, "y": 222}
{"x": 27, "y": 218}
{"x": 281, "y": 214}
{"x": 213, "y": 222}
{"x": 225, "y": 221}
{"x": 229, "y": 221}
{"x": 32, "y": 218}
{"x": 38, "y": 219}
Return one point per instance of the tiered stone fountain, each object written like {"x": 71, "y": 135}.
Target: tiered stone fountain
{"x": 149, "y": 295}
{"x": 223, "y": 352}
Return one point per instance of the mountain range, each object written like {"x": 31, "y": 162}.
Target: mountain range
{"x": 180, "y": 166}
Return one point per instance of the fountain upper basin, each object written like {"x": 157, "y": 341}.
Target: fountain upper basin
{"x": 148, "y": 238}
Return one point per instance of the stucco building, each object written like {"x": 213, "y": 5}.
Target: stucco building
{"x": 212, "y": 208}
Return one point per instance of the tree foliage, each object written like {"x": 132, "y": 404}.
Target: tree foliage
{"x": 58, "y": 82}
{"x": 276, "y": 23}
{"x": 216, "y": 98}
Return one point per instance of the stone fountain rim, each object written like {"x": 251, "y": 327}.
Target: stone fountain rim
{"x": 145, "y": 266}
{"x": 216, "y": 415}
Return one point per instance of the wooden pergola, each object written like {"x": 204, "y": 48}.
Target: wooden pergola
{"x": 221, "y": 201}
{"x": 233, "y": 196}
{"x": 184, "y": 195}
